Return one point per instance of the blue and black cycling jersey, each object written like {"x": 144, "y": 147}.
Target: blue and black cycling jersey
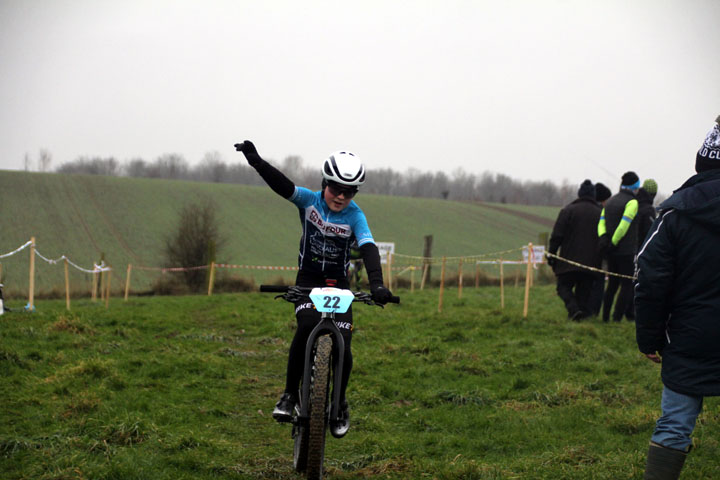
{"x": 327, "y": 235}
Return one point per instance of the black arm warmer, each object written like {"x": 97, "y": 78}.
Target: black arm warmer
{"x": 275, "y": 179}
{"x": 371, "y": 257}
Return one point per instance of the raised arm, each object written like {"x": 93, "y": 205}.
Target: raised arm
{"x": 275, "y": 179}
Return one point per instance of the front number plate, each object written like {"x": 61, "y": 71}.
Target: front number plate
{"x": 330, "y": 299}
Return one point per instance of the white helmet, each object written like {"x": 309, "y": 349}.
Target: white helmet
{"x": 344, "y": 168}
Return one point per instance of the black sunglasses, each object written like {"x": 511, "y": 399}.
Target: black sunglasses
{"x": 337, "y": 190}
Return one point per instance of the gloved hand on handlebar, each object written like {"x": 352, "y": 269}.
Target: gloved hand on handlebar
{"x": 380, "y": 294}
{"x": 249, "y": 150}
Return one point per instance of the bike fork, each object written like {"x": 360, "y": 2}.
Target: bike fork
{"x": 339, "y": 351}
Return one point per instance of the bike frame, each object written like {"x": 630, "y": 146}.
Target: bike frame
{"x": 302, "y": 422}
{"x": 326, "y": 325}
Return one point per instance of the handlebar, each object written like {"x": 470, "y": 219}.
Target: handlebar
{"x": 359, "y": 296}
{"x": 274, "y": 288}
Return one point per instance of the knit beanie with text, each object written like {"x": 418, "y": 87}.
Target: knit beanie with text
{"x": 708, "y": 157}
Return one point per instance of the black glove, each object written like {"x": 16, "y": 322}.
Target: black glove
{"x": 604, "y": 245}
{"x": 249, "y": 150}
{"x": 552, "y": 261}
{"x": 610, "y": 249}
{"x": 380, "y": 294}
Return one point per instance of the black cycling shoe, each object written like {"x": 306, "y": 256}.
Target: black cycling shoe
{"x": 284, "y": 408}
{"x": 342, "y": 425}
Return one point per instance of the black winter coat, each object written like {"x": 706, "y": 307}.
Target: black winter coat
{"x": 614, "y": 210}
{"x": 646, "y": 215}
{"x": 575, "y": 236}
{"x": 677, "y": 293}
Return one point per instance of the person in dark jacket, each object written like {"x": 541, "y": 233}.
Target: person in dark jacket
{"x": 602, "y": 194}
{"x": 618, "y": 241}
{"x": 645, "y": 217}
{"x": 574, "y": 237}
{"x": 677, "y": 300}
{"x": 646, "y": 211}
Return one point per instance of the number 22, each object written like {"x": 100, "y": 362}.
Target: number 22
{"x": 328, "y": 301}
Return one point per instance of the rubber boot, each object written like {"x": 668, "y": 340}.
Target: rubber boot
{"x": 664, "y": 463}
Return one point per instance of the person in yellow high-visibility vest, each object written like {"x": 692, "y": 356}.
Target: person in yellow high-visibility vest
{"x": 618, "y": 242}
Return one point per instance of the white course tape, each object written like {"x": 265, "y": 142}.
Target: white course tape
{"x": 17, "y": 250}
{"x": 96, "y": 268}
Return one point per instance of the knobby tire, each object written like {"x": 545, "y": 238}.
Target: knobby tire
{"x": 300, "y": 450}
{"x": 318, "y": 408}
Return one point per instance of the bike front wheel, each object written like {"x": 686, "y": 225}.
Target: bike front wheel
{"x": 318, "y": 423}
{"x": 300, "y": 450}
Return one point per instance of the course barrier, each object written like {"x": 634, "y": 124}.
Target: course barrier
{"x": 530, "y": 256}
{"x": 586, "y": 267}
{"x": 97, "y": 269}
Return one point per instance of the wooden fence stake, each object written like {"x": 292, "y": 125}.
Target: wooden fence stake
{"x": 212, "y": 278}
{"x": 103, "y": 283}
{"x": 108, "y": 276}
{"x": 412, "y": 279}
{"x": 389, "y": 269}
{"x": 93, "y": 292}
{"x": 127, "y": 281}
{"x": 527, "y": 280}
{"x": 460, "y": 278}
{"x": 31, "y": 293}
{"x": 502, "y": 289}
{"x": 424, "y": 276}
{"x": 442, "y": 285}
{"x": 67, "y": 285}
{"x": 477, "y": 274}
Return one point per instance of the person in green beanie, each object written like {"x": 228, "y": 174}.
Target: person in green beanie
{"x": 645, "y": 217}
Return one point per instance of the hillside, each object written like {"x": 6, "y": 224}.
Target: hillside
{"x": 125, "y": 221}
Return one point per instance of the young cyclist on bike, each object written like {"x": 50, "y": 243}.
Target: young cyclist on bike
{"x": 331, "y": 221}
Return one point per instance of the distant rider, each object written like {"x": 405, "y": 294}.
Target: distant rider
{"x": 331, "y": 222}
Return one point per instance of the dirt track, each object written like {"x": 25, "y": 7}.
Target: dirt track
{"x": 527, "y": 216}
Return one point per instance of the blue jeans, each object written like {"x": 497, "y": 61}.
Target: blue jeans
{"x": 679, "y": 413}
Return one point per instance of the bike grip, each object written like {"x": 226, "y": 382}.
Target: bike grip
{"x": 394, "y": 299}
{"x": 274, "y": 288}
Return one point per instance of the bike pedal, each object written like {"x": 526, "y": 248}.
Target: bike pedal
{"x": 339, "y": 430}
{"x": 281, "y": 418}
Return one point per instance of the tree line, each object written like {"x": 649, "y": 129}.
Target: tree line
{"x": 458, "y": 185}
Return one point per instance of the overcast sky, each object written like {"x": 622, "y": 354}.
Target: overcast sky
{"x": 535, "y": 89}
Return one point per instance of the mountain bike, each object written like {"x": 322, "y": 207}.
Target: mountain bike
{"x": 324, "y": 353}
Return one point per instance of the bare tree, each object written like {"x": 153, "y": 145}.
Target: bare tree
{"x": 463, "y": 186}
{"x": 212, "y": 168}
{"x": 27, "y": 162}
{"x": 91, "y": 166}
{"x": 195, "y": 242}
{"x": 44, "y": 160}
{"x": 136, "y": 168}
{"x": 170, "y": 165}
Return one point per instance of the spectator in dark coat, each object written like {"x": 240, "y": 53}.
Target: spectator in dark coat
{"x": 602, "y": 193}
{"x": 645, "y": 217}
{"x": 646, "y": 211}
{"x": 677, "y": 300}
{"x": 574, "y": 237}
{"x": 618, "y": 239}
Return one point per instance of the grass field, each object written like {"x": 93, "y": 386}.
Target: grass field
{"x": 126, "y": 220}
{"x": 183, "y": 387}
